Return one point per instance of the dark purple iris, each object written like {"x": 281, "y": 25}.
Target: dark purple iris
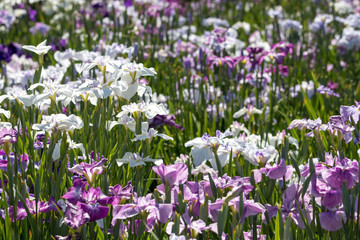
{"x": 128, "y": 3}
{"x": 6, "y": 51}
{"x": 160, "y": 120}
{"x": 32, "y": 14}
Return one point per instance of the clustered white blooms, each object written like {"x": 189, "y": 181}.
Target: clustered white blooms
{"x": 255, "y": 150}
{"x": 115, "y": 77}
{"x": 100, "y": 77}
{"x": 59, "y": 122}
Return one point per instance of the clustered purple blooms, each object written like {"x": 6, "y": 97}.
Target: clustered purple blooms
{"x": 83, "y": 205}
{"x": 32, "y": 14}
{"x": 326, "y": 186}
{"x": 327, "y": 181}
{"x": 195, "y": 194}
{"x": 338, "y": 125}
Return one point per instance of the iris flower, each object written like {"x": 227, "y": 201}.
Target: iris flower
{"x": 40, "y": 49}
{"x": 89, "y": 171}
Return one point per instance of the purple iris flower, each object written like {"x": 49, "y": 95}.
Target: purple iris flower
{"x": 6, "y": 18}
{"x": 277, "y": 171}
{"x": 332, "y": 85}
{"x": 92, "y": 205}
{"x": 281, "y": 69}
{"x": 194, "y": 193}
{"x": 32, "y": 14}
{"x": 332, "y": 221}
{"x": 75, "y": 216}
{"x": 40, "y": 27}
{"x": 219, "y": 61}
{"x": 272, "y": 212}
{"x": 74, "y": 194}
{"x": 172, "y": 174}
{"x": 161, "y": 212}
{"x": 313, "y": 125}
{"x": 338, "y": 125}
{"x": 289, "y": 208}
{"x": 214, "y": 209}
{"x": 351, "y": 111}
{"x": 7, "y": 135}
{"x": 89, "y": 171}
{"x": 253, "y": 57}
{"x": 90, "y": 202}
{"x": 189, "y": 63}
{"x": 120, "y": 193}
{"x": 193, "y": 227}
{"x": 270, "y": 56}
{"x": 251, "y": 208}
{"x": 249, "y": 235}
{"x": 41, "y": 206}
{"x": 332, "y": 199}
{"x": 128, "y": 3}
{"x": 235, "y": 182}
{"x": 160, "y": 120}
{"x": 283, "y": 47}
{"x": 326, "y": 90}
{"x": 344, "y": 170}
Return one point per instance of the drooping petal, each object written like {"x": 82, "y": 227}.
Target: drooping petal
{"x": 332, "y": 221}
{"x": 95, "y": 211}
{"x": 332, "y": 199}
{"x": 277, "y": 171}
{"x": 124, "y": 212}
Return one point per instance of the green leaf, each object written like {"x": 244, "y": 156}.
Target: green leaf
{"x": 222, "y": 218}
{"x": 288, "y": 233}
{"x": 306, "y": 184}
{"x": 346, "y": 199}
{"x": 309, "y": 106}
{"x": 277, "y": 226}
{"x": 213, "y": 187}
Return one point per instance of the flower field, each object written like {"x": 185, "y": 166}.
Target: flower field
{"x": 175, "y": 119}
